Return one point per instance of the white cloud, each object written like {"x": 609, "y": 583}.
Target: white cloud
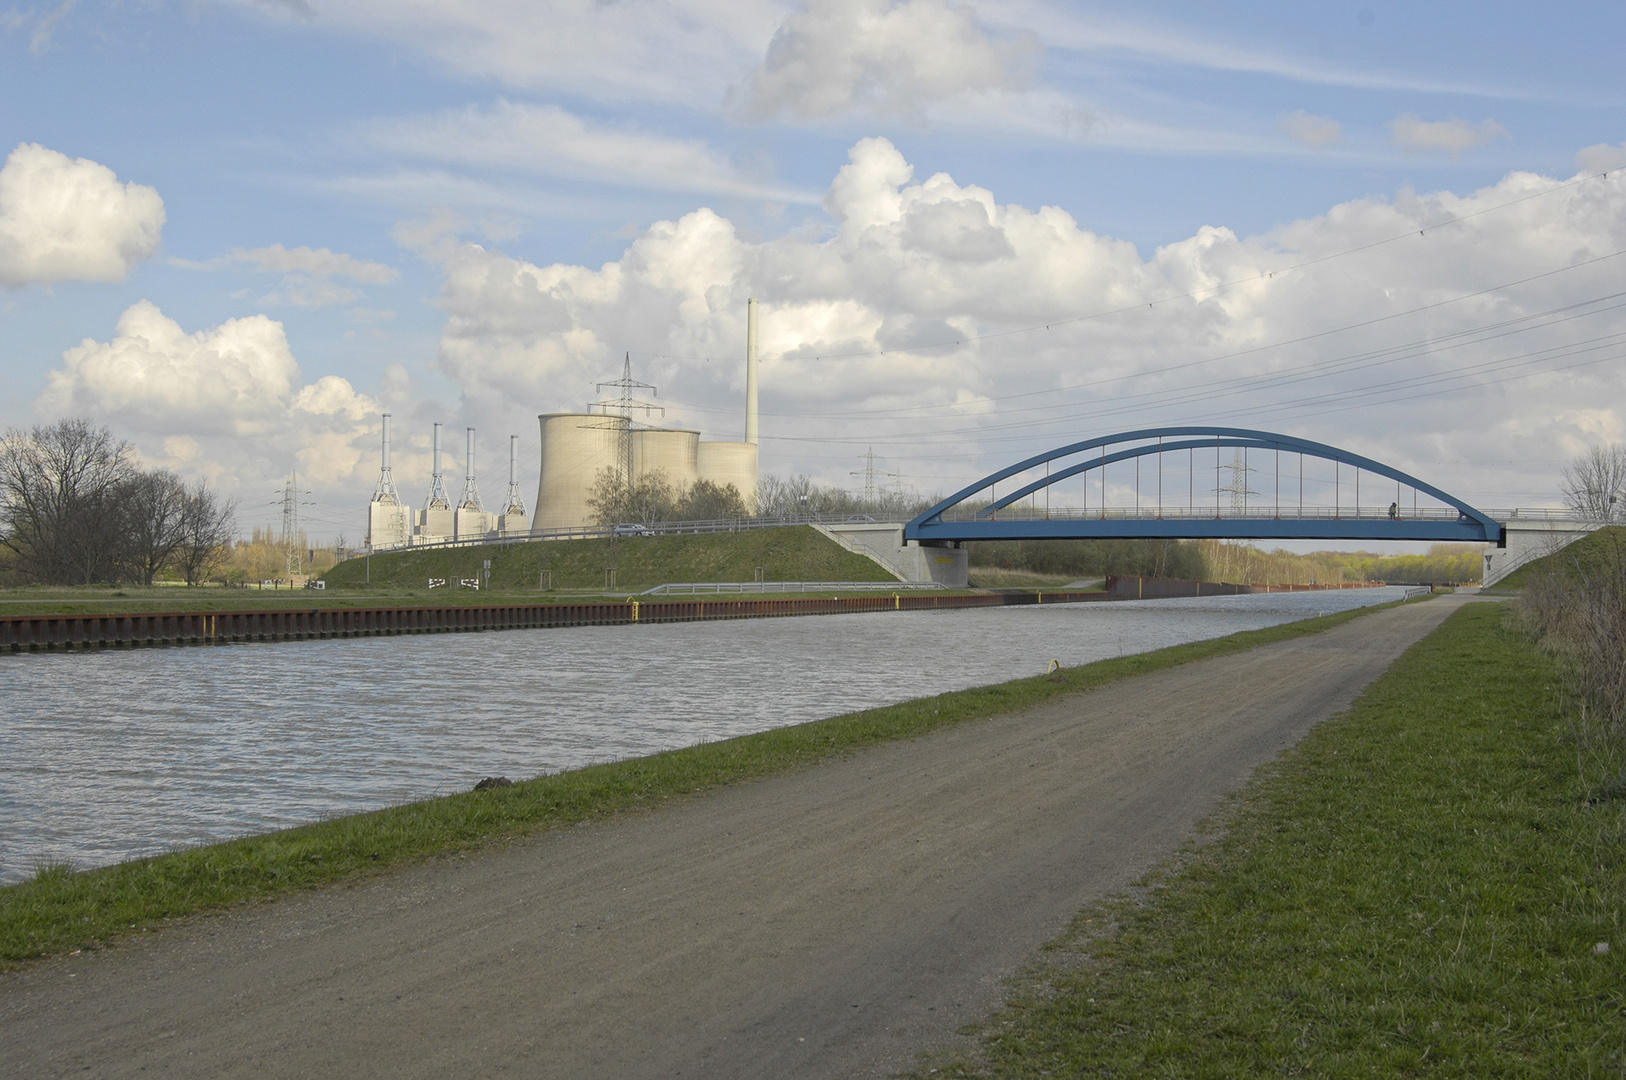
{"x": 911, "y": 320}
{"x": 1316, "y": 132}
{"x": 546, "y": 140}
{"x": 674, "y": 51}
{"x": 1601, "y": 158}
{"x": 233, "y": 390}
{"x": 317, "y": 262}
{"x": 877, "y": 56}
{"x": 309, "y": 274}
{"x": 1074, "y": 28}
{"x": 1451, "y": 136}
{"x": 63, "y": 219}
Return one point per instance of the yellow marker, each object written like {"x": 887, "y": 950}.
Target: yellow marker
{"x": 1055, "y": 666}
{"x": 635, "y": 611}
{"x": 897, "y": 603}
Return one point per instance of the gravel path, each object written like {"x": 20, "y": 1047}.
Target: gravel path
{"x": 829, "y": 923}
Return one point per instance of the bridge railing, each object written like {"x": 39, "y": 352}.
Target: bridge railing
{"x": 1252, "y": 512}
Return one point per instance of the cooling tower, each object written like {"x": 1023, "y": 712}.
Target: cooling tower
{"x": 725, "y": 463}
{"x": 667, "y": 450}
{"x": 576, "y": 447}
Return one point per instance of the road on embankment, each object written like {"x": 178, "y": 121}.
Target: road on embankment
{"x": 833, "y": 922}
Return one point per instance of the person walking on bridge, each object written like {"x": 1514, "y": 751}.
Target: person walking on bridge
{"x": 1394, "y": 511}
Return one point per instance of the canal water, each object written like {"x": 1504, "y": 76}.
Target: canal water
{"x": 113, "y": 755}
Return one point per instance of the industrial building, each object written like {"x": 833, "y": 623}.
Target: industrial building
{"x": 577, "y": 448}
{"x": 390, "y": 524}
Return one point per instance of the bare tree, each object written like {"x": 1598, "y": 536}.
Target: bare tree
{"x": 706, "y": 501}
{"x": 152, "y": 506}
{"x": 1595, "y": 483}
{"x": 59, "y": 486}
{"x": 649, "y": 500}
{"x": 207, "y": 525}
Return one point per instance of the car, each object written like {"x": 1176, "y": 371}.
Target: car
{"x": 632, "y": 529}
{"x": 858, "y": 519}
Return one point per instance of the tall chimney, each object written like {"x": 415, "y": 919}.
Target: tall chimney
{"x": 751, "y": 371}
{"x": 471, "y": 493}
{"x": 437, "y": 492}
{"x": 385, "y": 492}
{"x": 516, "y": 503}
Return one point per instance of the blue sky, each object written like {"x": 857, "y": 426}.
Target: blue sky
{"x": 468, "y": 211}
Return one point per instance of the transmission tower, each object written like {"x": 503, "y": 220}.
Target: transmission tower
{"x": 292, "y": 540}
{"x": 625, "y": 404}
{"x": 1238, "y": 487}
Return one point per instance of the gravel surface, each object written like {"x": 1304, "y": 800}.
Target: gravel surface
{"x": 833, "y": 922}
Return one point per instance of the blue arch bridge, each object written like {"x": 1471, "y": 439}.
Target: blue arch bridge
{"x": 1314, "y": 492}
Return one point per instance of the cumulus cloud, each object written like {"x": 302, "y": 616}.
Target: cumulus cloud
{"x": 1316, "y": 132}
{"x": 954, "y": 332}
{"x": 65, "y": 219}
{"x": 546, "y": 140}
{"x": 1452, "y": 135}
{"x": 233, "y": 390}
{"x": 877, "y": 56}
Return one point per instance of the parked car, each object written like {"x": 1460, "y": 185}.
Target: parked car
{"x": 632, "y": 529}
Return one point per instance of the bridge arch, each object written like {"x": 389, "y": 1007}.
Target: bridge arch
{"x": 947, "y": 522}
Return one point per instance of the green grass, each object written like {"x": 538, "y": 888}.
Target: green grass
{"x": 791, "y": 553}
{"x": 1414, "y": 890}
{"x": 1582, "y": 553}
{"x": 60, "y": 910}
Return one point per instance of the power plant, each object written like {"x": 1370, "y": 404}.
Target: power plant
{"x": 577, "y": 449}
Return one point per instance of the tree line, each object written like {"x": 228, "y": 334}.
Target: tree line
{"x": 76, "y": 509}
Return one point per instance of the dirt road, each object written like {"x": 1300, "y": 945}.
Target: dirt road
{"x": 829, "y": 923}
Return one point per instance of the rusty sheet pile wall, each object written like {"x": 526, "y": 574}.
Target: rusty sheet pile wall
{"x": 22, "y": 633}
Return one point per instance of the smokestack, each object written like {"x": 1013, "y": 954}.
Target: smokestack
{"x": 471, "y": 493}
{"x": 516, "y": 503}
{"x": 385, "y": 492}
{"x": 751, "y": 371}
{"x": 437, "y": 492}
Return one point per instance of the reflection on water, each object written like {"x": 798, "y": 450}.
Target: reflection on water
{"x": 111, "y": 755}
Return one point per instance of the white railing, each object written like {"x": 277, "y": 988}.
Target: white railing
{"x": 1252, "y": 512}
{"x": 634, "y": 530}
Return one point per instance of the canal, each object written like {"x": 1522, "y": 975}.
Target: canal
{"x": 113, "y": 755}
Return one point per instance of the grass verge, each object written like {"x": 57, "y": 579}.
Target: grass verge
{"x": 1418, "y": 888}
{"x": 61, "y": 910}
{"x": 790, "y": 553}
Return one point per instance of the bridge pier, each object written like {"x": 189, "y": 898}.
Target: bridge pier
{"x": 908, "y": 559}
{"x": 1527, "y": 539}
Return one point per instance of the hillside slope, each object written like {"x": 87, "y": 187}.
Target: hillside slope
{"x": 792, "y": 553}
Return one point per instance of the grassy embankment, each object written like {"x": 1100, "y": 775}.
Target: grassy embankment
{"x": 1419, "y": 887}
{"x": 793, "y": 553}
{"x": 59, "y": 910}
{"x": 1584, "y": 554}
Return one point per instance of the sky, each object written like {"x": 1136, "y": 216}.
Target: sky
{"x": 236, "y": 232}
